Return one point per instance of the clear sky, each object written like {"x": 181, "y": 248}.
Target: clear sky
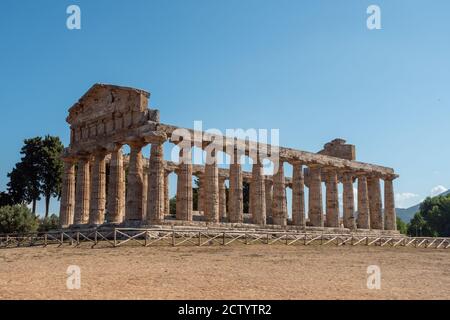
{"x": 309, "y": 68}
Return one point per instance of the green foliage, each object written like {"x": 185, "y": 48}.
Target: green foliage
{"x": 17, "y": 219}
{"x": 173, "y": 205}
{"x": 49, "y": 223}
{"x": 5, "y": 199}
{"x": 418, "y": 227}
{"x": 246, "y": 195}
{"x": 402, "y": 226}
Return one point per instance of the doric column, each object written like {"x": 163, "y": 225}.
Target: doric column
{"x": 269, "y": 194}
{"x": 155, "y": 195}
{"x": 258, "y": 193}
{"x": 332, "y": 200}
{"x": 67, "y": 203}
{"x": 82, "y": 192}
{"x": 212, "y": 188}
{"x": 279, "y": 210}
{"x": 98, "y": 190}
{"x": 375, "y": 205}
{"x": 116, "y": 187}
{"x": 145, "y": 176}
{"x": 135, "y": 184}
{"x": 184, "y": 187}
{"x": 390, "y": 216}
{"x": 236, "y": 201}
{"x": 222, "y": 198}
{"x": 298, "y": 195}
{"x": 201, "y": 193}
{"x": 315, "y": 211}
{"x": 348, "y": 201}
{"x": 166, "y": 193}
{"x": 363, "y": 220}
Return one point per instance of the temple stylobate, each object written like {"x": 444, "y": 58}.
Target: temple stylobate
{"x": 104, "y": 187}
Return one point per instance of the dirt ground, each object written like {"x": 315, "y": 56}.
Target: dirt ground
{"x": 234, "y": 272}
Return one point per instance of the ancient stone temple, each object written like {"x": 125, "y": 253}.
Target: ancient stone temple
{"x": 104, "y": 187}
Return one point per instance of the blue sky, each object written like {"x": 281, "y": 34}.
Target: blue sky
{"x": 309, "y": 68}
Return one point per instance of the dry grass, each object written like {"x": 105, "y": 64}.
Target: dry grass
{"x": 234, "y": 272}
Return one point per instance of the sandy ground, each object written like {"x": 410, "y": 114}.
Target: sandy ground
{"x": 234, "y": 272}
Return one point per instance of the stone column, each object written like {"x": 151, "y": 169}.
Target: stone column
{"x": 315, "y": 211}
{"x": 363, "y": 220}
{"x": 279, "y": 210}
{"x": 222, "y": 198}
{"x": 269, "y": 194}
{"x": 201, "y": 193}
{"x": 116, "y": 187}
{"x": 258, "y": 193}
{"x": 236, "y": 201}
{"x": 332, "y": 200}
{"x": 184, "y": 187}
{"x": 135, "y": 177}
{"x": 166, "y": 193}
{"x": 298, "y": 195}
{"x": 375, "y": 205}
{"x": 390, "y": 216}
{"x": 145, "y": 176}
{"x": 156, "y": 190}
{"x": 82, "y": 192}
{"x": 98, "y": 190}
{"x": 348, "y": 201}
{"x": 212, "y": 188}
{"x": 67, "y": 203}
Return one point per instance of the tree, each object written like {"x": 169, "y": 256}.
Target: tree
{"x": 5, "y": 199}
{"x": 50, "y": 169}
{"x": 24, "y": 185}
{"x": 418, "y": 227}
{"x": 49, "y": 223}
{"x": 17, "y": 219}
{"x": 402, "y": 226}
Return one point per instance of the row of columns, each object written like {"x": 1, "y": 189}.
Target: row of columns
{"x": 83, "y": 199}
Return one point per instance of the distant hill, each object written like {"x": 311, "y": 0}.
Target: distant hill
{"x": 407, "y": 214}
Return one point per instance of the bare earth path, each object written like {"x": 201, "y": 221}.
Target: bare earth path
{"x": 235, "y": 272}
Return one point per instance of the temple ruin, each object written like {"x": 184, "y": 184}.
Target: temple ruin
{"x": 103, "y": 187}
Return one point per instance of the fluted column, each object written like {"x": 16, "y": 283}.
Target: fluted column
{"x": 116, "y": 187}
{"x": 82, "y": 192}
{"x": 184, "y": 187}
{"x": 201, "y": 194}
{"x": 212, "y": 188}
{"x": 222, "y": 198}
{"x": 390, "y": 216}
{"x": 156, "y": 190}
{"x": 332, "y": 200}
{"x": 67, "y": 203}
{"x": 363, "y": 204}
{"x": 236, "y": 201}
{"x": 348, "y": 201}
{"x": 298, "y": 195}
{"x": 269, "y": 194}
{"x": 279, "y": 210}
{"x": 145, "y": 176}
{"x": 375, "y": 205}
{"x": 315, "y": 211}
{"x": 258, "y": 193}
{"x": 135, "y": 177}
{"x": 98, "y": 190}
{"x": 166, "y": 193}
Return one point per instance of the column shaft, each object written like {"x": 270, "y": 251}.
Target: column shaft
{"x": 332, "y": 200}
{"x": 315, "y": 211}
{"x": 222, "y": 198}
{"x": 269, "y": 194}
{"x": 258, "y": 194}
{"x": 348, "y": 201}
{"x": 116, "y": 188}
{"x": 135, "y": 177}
{"x": 375, "y": 205}
{"x": 390, "y": 216}
{"x": 236, "y": 203}
{"x": 82, "y": 192}
{"x": 363, "y": 220}
{"x": 212, "y": 189}
{"x": 67, "y": 203}
{"x": 166, "y": 193}
{"x": 98, "y": 194}
{"x": 184, "y": 188}
{"x": 279, "y": 210}
{"x": 298, "y": 195}
{"x": 156, "y": 190}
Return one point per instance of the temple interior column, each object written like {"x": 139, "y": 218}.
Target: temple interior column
{"x": 332, "y": 200}
{"x": 97, "y": 205}
{"x": 257, "y": 193}
{"x": 236, "y": 200}
{"x": 184, "y": 187}
{"x": 166, "y": 192}
{"x": 298, "y": 195}
{"x": 315, "y": 211}
{"x": 390, "y": 216}
{"x": 116, "y": 187}
{"x": 269, "y": 194}
{"x": 135, "y": 184}
{"x": 212, "y": 188}
{"x": 279, "y": 210}
{"x": 82, "y": 192}
{"x": 363, "y": 220}
{"x": 348, "y": 201}
{"x": 156, "y": 190}
{"x": 375, "y": 204}
{"x": 201, "y": 193}
{"x": 222, "y": 198}
{"x": 67, "y": 203}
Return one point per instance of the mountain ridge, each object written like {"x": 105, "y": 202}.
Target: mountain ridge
{"x": 406, "y": 214}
